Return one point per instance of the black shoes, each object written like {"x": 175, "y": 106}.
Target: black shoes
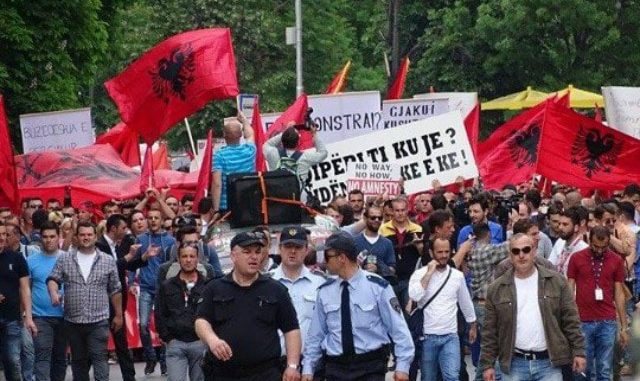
{"x": 163, "y": 368}
{"x": 150, "y": 367}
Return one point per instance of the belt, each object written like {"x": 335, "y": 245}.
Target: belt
{"x": 531, "y": 355}
{"x": 378, "y": 354}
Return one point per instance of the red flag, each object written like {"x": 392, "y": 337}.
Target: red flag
{"x": 9, "y": 196}
{"x": 578, "y": 151}
{"x": 297, "y": 114}
{"x": 161, "y": 157}
{"x": 598, "y": 116}
{"x": 339, "y": 81}
{"x": 204, "y": 177}
{"x": 472, "y": 125}
{"x": 260, "y": 139}
{"x": 175, "y": 79}
{"x": 397, "y": 88}
{"x": 125, "y": 141}
{"x": 510, "y": 154}
{"x": 146, "y": 174}
{"x": 564, "y": 101}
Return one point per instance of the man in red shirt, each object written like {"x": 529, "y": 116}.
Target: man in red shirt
{"x": 597, "y": 276}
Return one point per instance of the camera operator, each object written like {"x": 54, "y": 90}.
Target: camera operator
{"x": 281, "y": 151}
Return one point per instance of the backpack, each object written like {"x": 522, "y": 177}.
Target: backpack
{"x": 288, "y": 163}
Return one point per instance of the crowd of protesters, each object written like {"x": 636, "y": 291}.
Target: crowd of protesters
{"x": 534, "y": 286}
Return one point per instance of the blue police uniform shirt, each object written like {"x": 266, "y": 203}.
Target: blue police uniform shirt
{"x": 303, "y": 291}
{"x": 376, "y": 315}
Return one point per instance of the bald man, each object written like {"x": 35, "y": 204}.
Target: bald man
{"x": 233, "y": 158}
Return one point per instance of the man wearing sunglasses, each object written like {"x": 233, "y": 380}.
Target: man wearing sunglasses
{"x": 531, "y": 325}
{"x": 597, "y": 275}
{"x": 378, "y": 247}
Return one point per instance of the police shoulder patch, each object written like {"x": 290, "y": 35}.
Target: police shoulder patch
{"x": 328, "y": 282}
{"x": 395, "y": 304}
{"x": 380, "y": 281}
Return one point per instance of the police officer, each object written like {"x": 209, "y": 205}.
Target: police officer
{"x": 292, "y": 273}
{"x": 239, "y": 316}
{"x": 355, "y": 316}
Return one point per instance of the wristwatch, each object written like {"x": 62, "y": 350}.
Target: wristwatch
{"x": 292, "y": 366}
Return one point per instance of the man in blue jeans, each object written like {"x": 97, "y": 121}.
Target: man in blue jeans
{"x": 50, "y": 343}
{"x": 441, "y": 344}
{"x": 597, "y": 275}
{"x": 14, "y": 291}
{"x": 155, "y": 250}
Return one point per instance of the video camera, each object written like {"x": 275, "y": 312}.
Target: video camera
{"x": 503, "y": 206}
{"x": 308, "y": 123}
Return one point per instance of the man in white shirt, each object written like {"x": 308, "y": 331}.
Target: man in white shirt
{"x": 441, "y": 346}
{"x": 531, "y": 325}
{"x": 570, "y": 239}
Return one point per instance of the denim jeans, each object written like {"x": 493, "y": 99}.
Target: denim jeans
{"x": 11, "y": 342}
{"x": 145, "y": 309}
{"x": 440, "y": 351}
{"x": 50, "y": 349}
{"x": 599, "y": 337}
{"x": 184, "y": 359}
{"x": 480, "y": 312}
{"x": 88, "y": 344}
{"x": 27, "y": 355}
{"x": 532, "y": 370}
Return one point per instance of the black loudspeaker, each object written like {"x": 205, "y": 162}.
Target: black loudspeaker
{"x": 244, "y": 196}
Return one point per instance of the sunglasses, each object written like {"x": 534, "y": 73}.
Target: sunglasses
{"x": 36, "y": 206}
{"x": 375, "y": 218}
{"x": 517, "y": 250}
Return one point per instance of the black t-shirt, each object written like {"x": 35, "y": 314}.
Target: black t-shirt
{"x": 248, "y": 318}
{"x": 13, "y": 266}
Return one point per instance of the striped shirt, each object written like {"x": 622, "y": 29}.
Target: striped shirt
{"x": 86, "y": 302}
{"x": 231, "y": 159}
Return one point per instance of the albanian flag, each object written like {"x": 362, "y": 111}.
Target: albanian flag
{"x": 175, "y": 79}
{"x": 510, "y": 154}
{"x": 259, "y": 137}
{"x": 9, "y": 195}
{"x": 339, "y": 81}
{"x": 397, "y": 88}
{"x": 581, "y": 152}
{"x": 204, "y": 175}
{"x": 95, "y": 173}
{"x": 297, "y": 114}
{"x": 124, "y": 140}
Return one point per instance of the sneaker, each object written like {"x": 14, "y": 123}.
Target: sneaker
{"x": 150, "y": 367}
{"x": 163, "y": 368}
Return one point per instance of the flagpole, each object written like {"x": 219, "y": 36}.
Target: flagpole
{"x": 193, "y": 146}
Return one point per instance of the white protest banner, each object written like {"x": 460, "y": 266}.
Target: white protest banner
{"x": 346, "y": 115}
{"x": 47, "y": 131}
{"x": 622, "y": 108}
{"x": 268, "y": 119}
{"x": 245, "y": 103}
{"x": 465, "y": 102}
{"x": 373, "y": 179}
{"x": 403, "y": 111}
{"x": 430, "y": 149}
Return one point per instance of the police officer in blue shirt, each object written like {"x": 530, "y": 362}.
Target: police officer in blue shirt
{"x": 355, "y": 318}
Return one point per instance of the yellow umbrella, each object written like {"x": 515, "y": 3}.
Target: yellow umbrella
{"x": 581, "y": 98}
{"x": 524, "y": 99}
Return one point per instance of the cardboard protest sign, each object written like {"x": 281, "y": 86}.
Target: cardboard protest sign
{"x": 47, "y": 131}
{"x": 426, "y": 150}
{"x": 465, "y": 102}
{"x": 403, "y": 111}
{"x": 622, "y": 108}
{"x": 374, "y": 178}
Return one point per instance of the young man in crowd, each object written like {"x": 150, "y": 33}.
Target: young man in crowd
{"x": 377, "y": 246}
{"x": 356, "y": 200}
{"x": 570, "y": 239}
{"x": 478, "y": 211}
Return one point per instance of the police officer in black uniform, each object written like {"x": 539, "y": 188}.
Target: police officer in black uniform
{"x": 239, "y": 316}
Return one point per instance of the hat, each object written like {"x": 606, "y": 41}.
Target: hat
{"x": 247, "y": 239}
{"x": 343, "y": 242}
{"x": 294, "y": 234}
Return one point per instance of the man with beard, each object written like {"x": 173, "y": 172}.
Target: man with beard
{"x": 446, "y": 286}
{"x": 355, "y": 319}
{"x": 383, "y": 259}
{"x": 478, "y": 210}
{"x": 239, "y": 316}
{"x": 175, "y": 315}
{"x": 596, "y": 274}
{"x": 569, "y": 240}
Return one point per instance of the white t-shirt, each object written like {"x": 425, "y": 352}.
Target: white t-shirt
{"x": 529, "y": 327}
{"x": 372, "y": 240}
{"x": 85, "y": 261}
{"x": 556, "y": 252}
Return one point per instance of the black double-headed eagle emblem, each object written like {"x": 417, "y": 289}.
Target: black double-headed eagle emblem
{"x": 595, "y": 152}
{"x": 173, "y": 74}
